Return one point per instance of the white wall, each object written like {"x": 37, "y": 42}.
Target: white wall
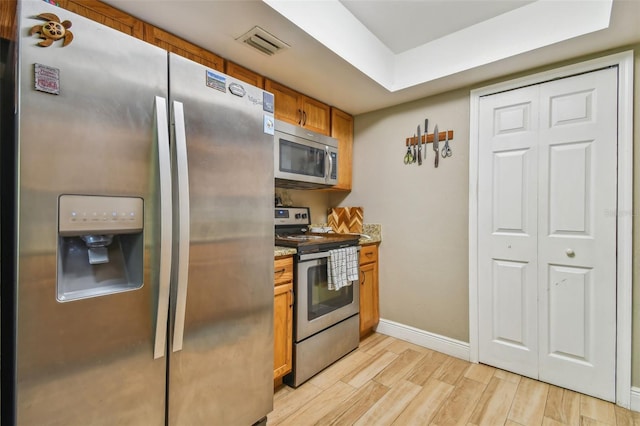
{"x": 423, "y": 212}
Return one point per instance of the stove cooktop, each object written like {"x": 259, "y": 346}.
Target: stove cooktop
{"x": 291, "y": 226}
{"x": 311, "y": 242}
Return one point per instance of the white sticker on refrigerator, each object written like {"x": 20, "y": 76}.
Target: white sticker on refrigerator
{"x": 216, "y": 81}
{"x": 47, "y": 79}
{"x": 268, "y": 125}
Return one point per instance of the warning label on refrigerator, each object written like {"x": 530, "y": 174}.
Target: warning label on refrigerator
{"x": 47, "y": 79}
{"x": 216, "y": 81}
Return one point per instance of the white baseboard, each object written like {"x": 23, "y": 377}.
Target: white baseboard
{"x": 635, "y": 398}
{"x": 432, "y": 341}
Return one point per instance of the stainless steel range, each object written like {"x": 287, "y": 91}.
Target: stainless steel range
{"x": 326, "y": 321}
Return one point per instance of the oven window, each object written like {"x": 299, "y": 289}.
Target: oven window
{"x": 301, "y": 159}
{"x": 321, "y": 300}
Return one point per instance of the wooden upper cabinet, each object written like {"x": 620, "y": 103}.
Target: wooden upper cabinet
{"x": 286, "y": 102}
{"x": 175, "y": 44}
{"x": 244, "y": 74}
{"x": 342, "y": 129}
{"x": 106, "y": 15}
{"x": 316, "y": 116}
{"x": 7, "y": 19}
{"x": 296, "y": 108}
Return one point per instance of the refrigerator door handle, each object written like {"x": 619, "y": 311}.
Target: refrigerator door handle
{"x": 164, "y": 166}
{"x": 182, "y": 191}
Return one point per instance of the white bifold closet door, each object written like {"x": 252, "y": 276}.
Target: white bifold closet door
{"x": 547, "y": 231}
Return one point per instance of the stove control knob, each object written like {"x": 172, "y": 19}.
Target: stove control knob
{"x": 298, "y": 215}
{"x": 304, "y": 215}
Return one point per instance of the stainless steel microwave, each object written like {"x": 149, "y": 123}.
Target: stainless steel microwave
{"x": 304, "y": 159}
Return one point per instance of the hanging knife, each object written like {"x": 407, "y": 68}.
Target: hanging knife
{"x": 426, "y": 132}
{"x": 436, "y": 138}
{"x": 419, "y": 148}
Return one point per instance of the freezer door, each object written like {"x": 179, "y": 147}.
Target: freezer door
{"x": 89, "y": 361}
{"x": 221, "y": 359}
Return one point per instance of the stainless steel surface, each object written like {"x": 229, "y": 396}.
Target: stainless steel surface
{"x": 305, "y": 327}
{"x": 181, "y": 199}
{"x": 84, "y": 215}
{"x": 321, "y": 350}
{"x": 161, "y": 140}
{"x": 225, "y": 367}
{"x": 88, "y": 361}
{"x": 436, "y": 144}
{"x": 420, "y": 146}
{"x": 99, "y": 360}
{"x": 446, "y": 149}
{"x": 288, "y": 171}
{"x": 426, "y": 132}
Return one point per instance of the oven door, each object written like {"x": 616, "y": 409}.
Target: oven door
{"x": 317, "y": 307}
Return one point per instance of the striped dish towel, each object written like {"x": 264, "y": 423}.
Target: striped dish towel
{"x": 342, "y": 267}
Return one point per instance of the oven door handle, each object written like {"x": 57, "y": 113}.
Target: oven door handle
{"x": 314, "y": 256}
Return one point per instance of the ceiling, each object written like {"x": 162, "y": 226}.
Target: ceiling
{"x": 363, "y": 55}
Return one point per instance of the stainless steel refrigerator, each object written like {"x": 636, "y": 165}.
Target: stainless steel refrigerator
{"x": 144, "y": 248}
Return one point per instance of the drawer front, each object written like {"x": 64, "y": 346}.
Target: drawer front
{"x": 283, "y": 270}
{"x": 368, "y": 254}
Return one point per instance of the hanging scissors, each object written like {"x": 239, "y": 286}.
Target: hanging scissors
{"x": 408, "y": 157}
{"x": 446, "y": 150}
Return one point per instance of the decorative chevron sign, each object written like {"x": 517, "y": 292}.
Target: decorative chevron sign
{"x": 346, "y": 220}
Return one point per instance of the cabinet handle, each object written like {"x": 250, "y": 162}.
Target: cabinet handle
{"x": 291, "y": 291}
{"x": 364, "y": 277}
{"x": 300, "y": 115}
{"x": 280, "y": 271}
{"x": 304, "y": 118}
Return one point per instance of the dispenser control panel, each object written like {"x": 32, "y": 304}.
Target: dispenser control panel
{"x": 92, "y": 214}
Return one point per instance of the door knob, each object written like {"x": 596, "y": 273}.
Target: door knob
{"x": 570, "y": 253}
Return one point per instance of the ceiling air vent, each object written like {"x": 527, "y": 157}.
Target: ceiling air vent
{"x": 262, "y": 41}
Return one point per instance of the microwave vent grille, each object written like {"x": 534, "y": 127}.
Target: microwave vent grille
{"x": 262, "y": 41}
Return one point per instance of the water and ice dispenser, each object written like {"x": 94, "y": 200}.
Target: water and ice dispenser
{"x": 100, "y": 245}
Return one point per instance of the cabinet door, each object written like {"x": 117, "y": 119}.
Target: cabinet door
{"x": 282, "y": 329}
{"x": 316, "y": 116}
{"x": 181, "y": 47}
{"x": 244, "y": 74}
{"x": 342, "y": 129}
{"x": 286, "y": 101}
{"x": 106, "y": 15}
{"x": 7, "y": 18}
{"x": 368, "y": 298}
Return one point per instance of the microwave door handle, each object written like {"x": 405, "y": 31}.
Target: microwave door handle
{"x": 182, "y": 174}
{"x": 164, "y": 278}
{"x": 327, "y": 174}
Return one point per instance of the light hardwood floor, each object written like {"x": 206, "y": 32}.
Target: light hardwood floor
{"x": 387, "y": 381}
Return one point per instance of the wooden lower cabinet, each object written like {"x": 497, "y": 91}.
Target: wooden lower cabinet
{"x": 369, "y": 299}
{"x": 282, "y": 317}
